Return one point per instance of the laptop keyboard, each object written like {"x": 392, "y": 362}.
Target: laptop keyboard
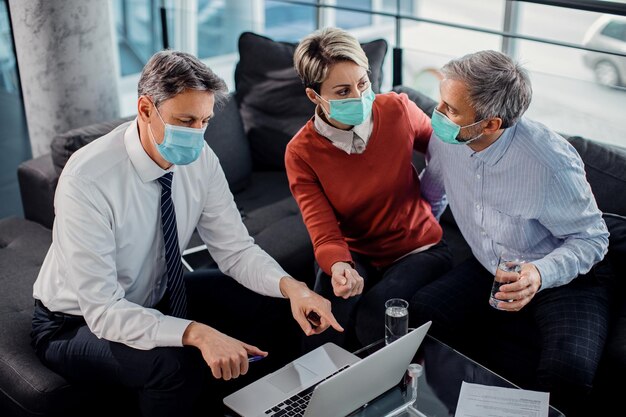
{"x": 296, "y": 404}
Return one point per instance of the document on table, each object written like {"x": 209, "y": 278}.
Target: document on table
{"x": 477, "y": 400}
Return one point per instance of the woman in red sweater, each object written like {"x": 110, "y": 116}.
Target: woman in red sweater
{"x": 350, "y": 170}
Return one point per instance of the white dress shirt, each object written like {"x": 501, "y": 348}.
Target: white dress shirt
{"x": 107, "y": 259}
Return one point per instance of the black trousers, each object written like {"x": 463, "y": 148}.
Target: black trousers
{"x": 170, "y": 381}
{"x": 363, "y": 316}
{"x": 567, "y": 325}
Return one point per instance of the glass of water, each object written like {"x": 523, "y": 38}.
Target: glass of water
{"x": 396, "y": 319}
{"x": 508, "y": 270}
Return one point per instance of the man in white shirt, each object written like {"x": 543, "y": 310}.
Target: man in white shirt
{"x": 125, "y": 204}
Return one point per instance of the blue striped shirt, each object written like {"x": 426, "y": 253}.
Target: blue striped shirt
{"x": 526, "y": 192}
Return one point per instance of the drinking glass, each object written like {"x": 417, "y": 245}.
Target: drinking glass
{"x": 509, "y": 267}
{"x": 396, "y": 319}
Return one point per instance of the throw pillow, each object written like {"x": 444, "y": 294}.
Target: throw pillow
{"x": 616, "y": 257}
{"x": 424, "y": 102}
{"x": 65, "y": 144}
{"x": 604, "y": 166}
{"x": 271, "y": 96}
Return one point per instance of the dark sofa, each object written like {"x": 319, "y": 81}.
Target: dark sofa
{"x": 248, "y": 134}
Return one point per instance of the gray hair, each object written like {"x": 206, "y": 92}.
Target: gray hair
{"x": 497, "y": 86}
{"x": 169, "y": 73}
{"x": 317, "y": 52}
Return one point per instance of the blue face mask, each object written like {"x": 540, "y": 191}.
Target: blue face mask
{"x": 351, "y": 111}
{"x": 181, "y": 145}
{"x": 447, "y": 130}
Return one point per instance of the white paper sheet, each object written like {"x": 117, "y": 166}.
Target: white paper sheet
{"x": 477, "y": 400}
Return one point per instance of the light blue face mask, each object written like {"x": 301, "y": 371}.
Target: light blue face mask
{"x": 447, "y": 130}
{"x": 181, "y": 145}
{"x": 351, "y": 111}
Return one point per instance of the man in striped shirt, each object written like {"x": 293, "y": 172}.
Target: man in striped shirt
{"x": 514, "y": 185}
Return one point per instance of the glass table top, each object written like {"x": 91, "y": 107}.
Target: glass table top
{"x": 443, "y": 371}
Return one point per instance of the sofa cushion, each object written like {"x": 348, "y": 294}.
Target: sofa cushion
{"x": 65, "y": 144}
{"x": 226, "y": 137}
{"x": 265, "y": 188}
{"x": 616, "y": 256}
{"x": 278, "y": 228}
{"x": 425, "y": 103}
{"x": 617, "y": 252}
{"x": 604, "y": 165}
{"x": 38, "y": 179}
{"x": 273, "y": 219}
{"x": 271, "y": 96}
{"x": 23, "y": 378}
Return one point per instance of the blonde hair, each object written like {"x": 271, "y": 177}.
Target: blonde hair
{"x": 317, "y": 52}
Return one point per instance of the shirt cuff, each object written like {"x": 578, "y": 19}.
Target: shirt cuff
{"x": 171, "y": 330}
{"x": 272, "y": 282}
{"x": 547, "y": 270}
{"x": 329, "y": 253}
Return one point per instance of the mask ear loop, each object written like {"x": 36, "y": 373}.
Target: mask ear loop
{"x": 158, "y": 113}
{"x": 150, "y": 126}
{"x": 327, "y": 114}
{"x": 475, "y": 138}
{"x": 468, "y": 141}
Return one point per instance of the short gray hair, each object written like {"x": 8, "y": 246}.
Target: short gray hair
{"x": 317, "y": 52}
{"x": 169, "y": 73}
{"x": 497, "y": 86}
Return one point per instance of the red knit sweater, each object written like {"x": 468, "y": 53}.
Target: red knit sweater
{"x": 369, "y": 203}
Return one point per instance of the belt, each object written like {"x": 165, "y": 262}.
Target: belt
{"x": 39, "y": 304}
{"x": 47, "y": 325}
{"x": 55, "y": 314}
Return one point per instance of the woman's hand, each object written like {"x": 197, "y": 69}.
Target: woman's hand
{"x": 346, "y": 280}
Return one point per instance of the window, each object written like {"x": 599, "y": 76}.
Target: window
{"x": 14, "y": 143}
{"x": 138, "y": 28}
{"x": 565, "y": 79}
{"x": 406, "y": 6}
{"x": 349, "y": 20}
{"x": 288, "y": 22}
{"x": 213, "y": 35}
{"x": 615, "y": 30}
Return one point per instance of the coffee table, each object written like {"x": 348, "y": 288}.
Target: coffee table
{"x": 444, "y": 369}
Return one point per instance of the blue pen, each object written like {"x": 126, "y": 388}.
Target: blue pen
{"x": 255, "y": 358}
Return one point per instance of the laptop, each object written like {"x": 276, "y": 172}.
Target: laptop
{"x": 328, "y": 381}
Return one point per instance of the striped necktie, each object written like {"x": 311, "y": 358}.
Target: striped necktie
{"x": 177, "y": 299}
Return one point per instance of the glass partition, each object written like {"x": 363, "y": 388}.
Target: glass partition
{"x": 576, "y": 91}
{"x": 14, "y": 142}
{"x": 138, "y": 30}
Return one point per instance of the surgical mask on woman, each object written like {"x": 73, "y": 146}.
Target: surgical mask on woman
{"x": 181, "y": 145}
{"x": 447, "y": 130}
{"x": 351, "y": 111}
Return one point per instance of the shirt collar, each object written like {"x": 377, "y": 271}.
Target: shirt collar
{"x": 342, "y": 138}
{"x": 146, "y": 168}
{"x": 492, "y": 154}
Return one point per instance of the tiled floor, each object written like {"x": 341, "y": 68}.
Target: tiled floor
{"x": 14, "y": 148}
